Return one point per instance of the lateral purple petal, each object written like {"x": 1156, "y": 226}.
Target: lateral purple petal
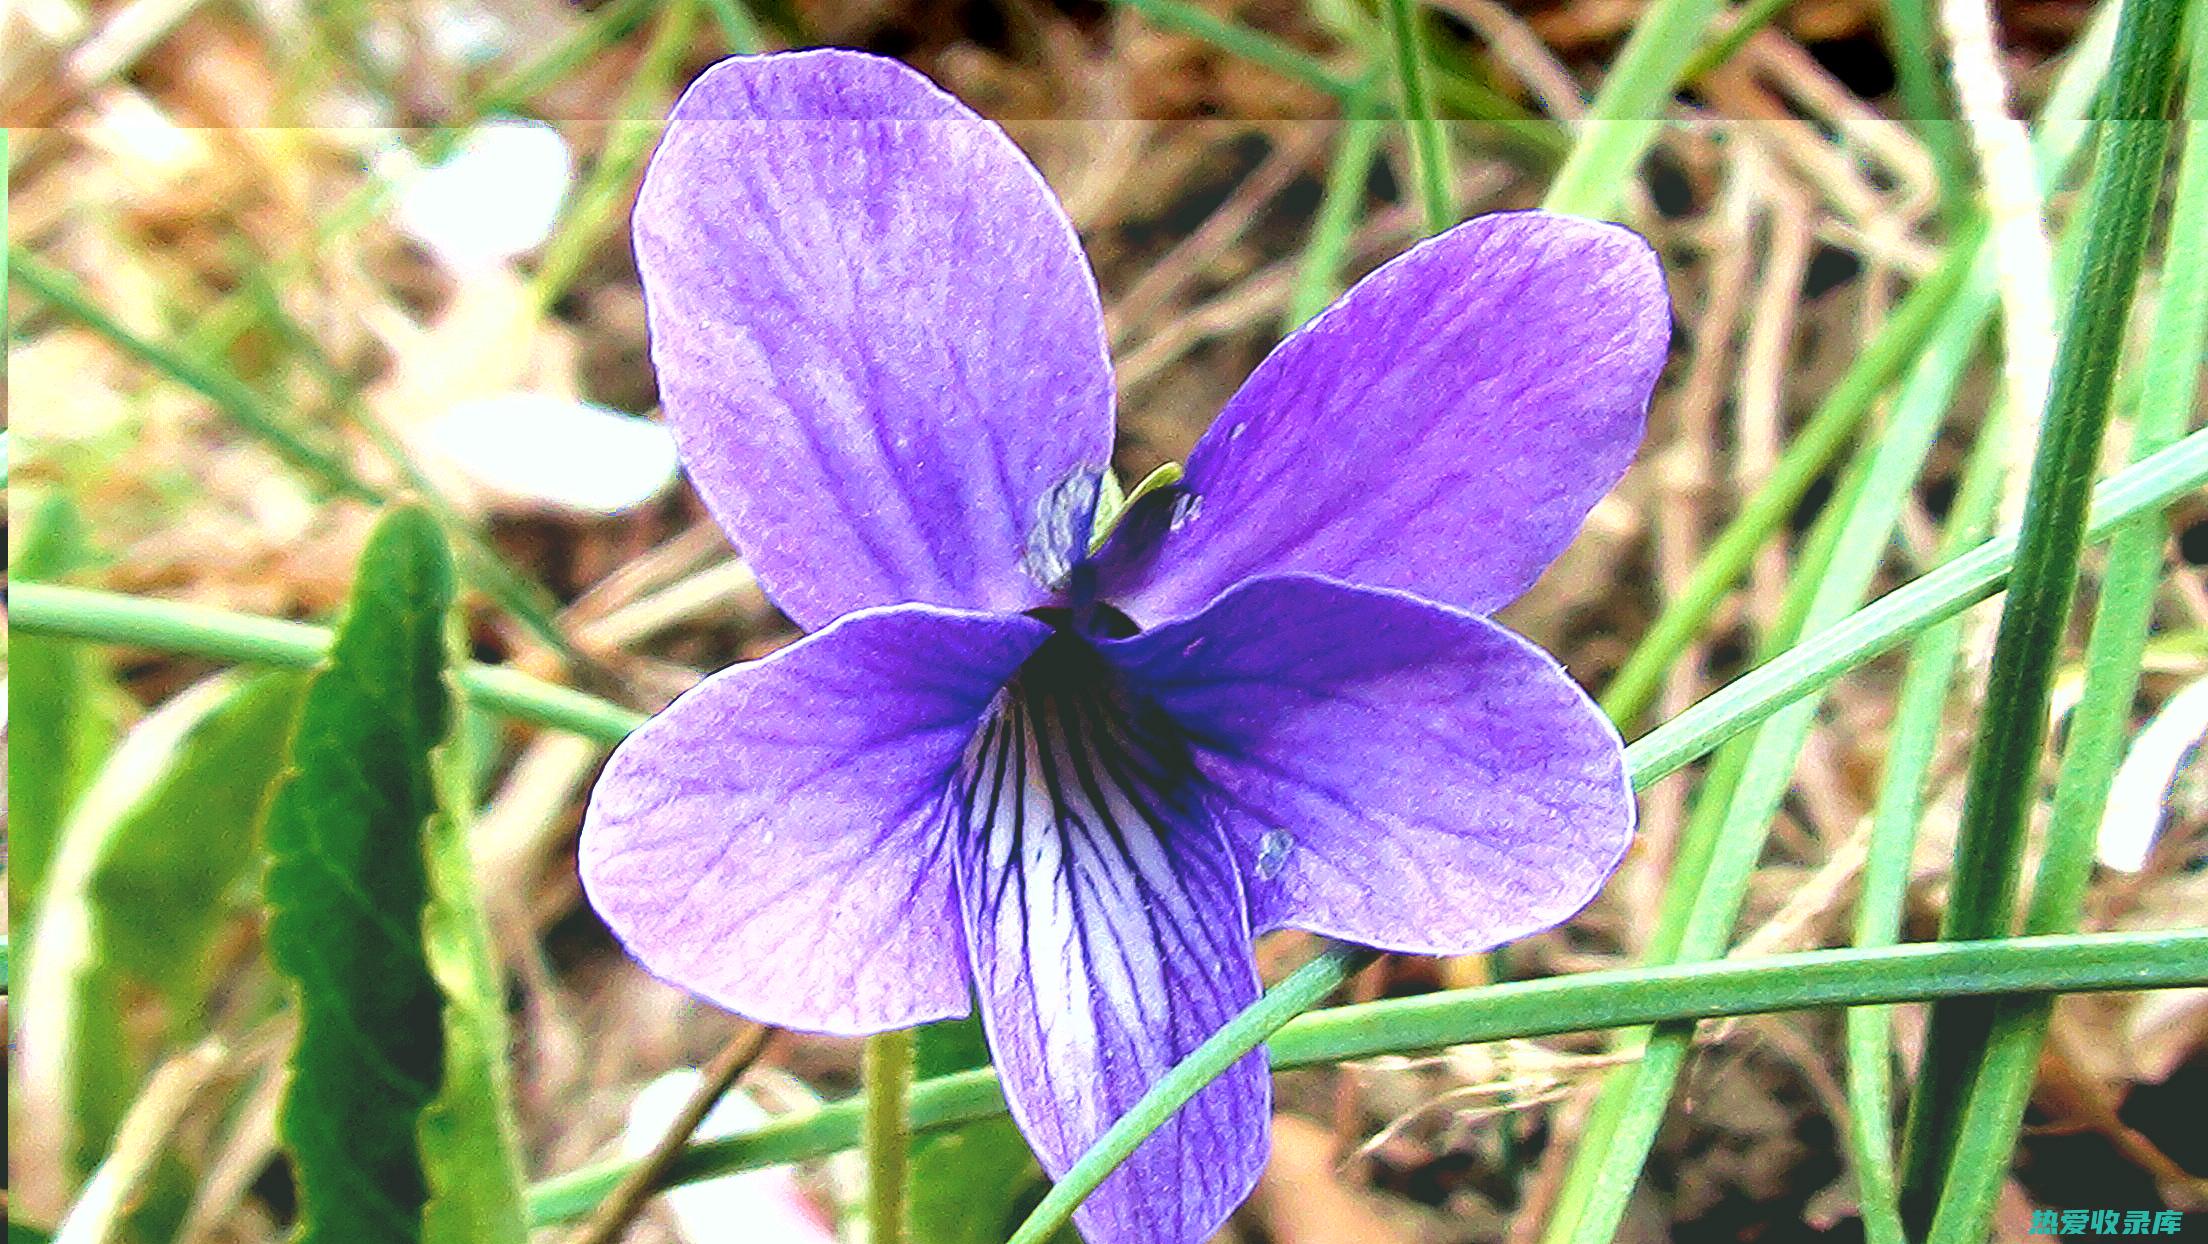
{"x": 1442, "y": 429}
{"x": 878, "y": 342}
{"x": 1108, "y": 937}
{"x": 775, "y": 840}
{"x": 1390, "y": 771}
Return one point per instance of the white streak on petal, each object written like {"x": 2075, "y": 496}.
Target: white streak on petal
{"x": 2136, "y": 797}
{"x": 556, "y": 451}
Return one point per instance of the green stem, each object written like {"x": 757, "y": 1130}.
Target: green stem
{"x": 1429, "y": 145}
{"x": 2003, "y": 784}
{"x": 1898, "y": 616}
{"x": 2001, "y": 1085}
{"x": 1582, "y": 1002}
{"x": 887, "y": 1073}
{"x": 111, "y": 617}
{"x": 1927, "y": 100}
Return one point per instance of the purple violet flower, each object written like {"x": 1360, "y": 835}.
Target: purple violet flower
{"x": 1075, "y": 785}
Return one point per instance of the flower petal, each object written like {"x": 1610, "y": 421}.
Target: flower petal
{"x": 1106, "y": 926}
{"x": 1391, "y": 771}
{"x": 775, "y": 841}
{"x": 1441, "y": 429}
{"x": 878, "y": 341}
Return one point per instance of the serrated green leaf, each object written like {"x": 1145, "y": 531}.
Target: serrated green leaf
{"x": 149, "y": 862}
{"x": 64, "y": 709}
{"x": 347, "y": 888}
{"x": 974, "y": 1184}
{"x": 470, "y": 1150}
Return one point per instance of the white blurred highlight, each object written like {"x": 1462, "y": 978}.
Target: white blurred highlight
{"x": 495, "y": 197}
{"x": 2137, "y": 798}
{"x": 759, "y": 1207}
{"x": 556, "y": 451}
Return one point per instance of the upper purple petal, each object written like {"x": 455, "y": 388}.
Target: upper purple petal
{"x": 1108, "y": 936}
{"x": 1442, "y": 429}
{"x": 1388, "y": 770}
{"x": 775, "y": 840}
{"x": 877, "y": 339}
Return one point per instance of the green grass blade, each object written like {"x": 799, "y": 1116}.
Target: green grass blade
{"x": 1626, "y": 113}
{"x": 238, "y": 402}
{"x": 739, "y": 28}
{"x": 1890, "y": 352}
{"x": 1928, "y": 100}
{"x": 2001, "y": 1084}
{"x": 1429, "y": 145}
{"x": 346, "y": 888}
{"x": 2003, "y": 782}
{"x": 1830, "y": 588}
{"x": 229, "y": 395}
{"x": 1578, "y": 1003}
{"x": 1318, "y": 272}
{"x": 602, "y": 202}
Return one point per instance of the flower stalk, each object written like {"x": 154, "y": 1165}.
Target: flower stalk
{"x": 1577, "y": 1003}
{"x": 886, "y": 1071}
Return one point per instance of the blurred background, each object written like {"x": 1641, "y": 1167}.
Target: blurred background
{"x": 276, "y": 262}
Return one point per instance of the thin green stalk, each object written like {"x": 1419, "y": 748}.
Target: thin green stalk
{"x": 1429, "y": 145}
{"x": 1830, "y": 587}
{"x": 1807, "y": 456}
{"x": 739, "y": 28}
{"x": 112, "y": 617}
{"x": 1318, "y": 272}
{"x": 243, "y": 407}
{"x": 1303, "y": 989}
{"x": 1747, "y": 20}
{"x": 886, "y": 1070}
{"x": 1891, "y": 351}
{"x": 1622, "y": 121}
{"x": 2002, "y": 1084}
{"x": 1928, "y": 100}
{"x": 1521, "y": 128}
{"x": 604, "y": 197}
{"x": 1581, "y": 1002}
{"x": 1898, "y": 616}
{"x": 2003, "y": 783}
{"x": 238, "y": 402}
{"x": 1254, "y": 46}
{"x": 1912, "y": 745}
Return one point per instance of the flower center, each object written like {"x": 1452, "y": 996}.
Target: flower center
{"x": 1073, "y": 771}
